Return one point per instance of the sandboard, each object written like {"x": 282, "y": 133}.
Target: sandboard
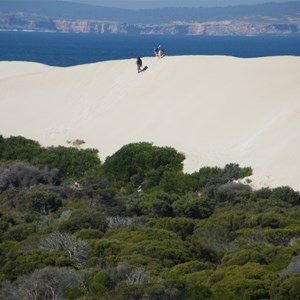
{"x": 144, "y": 69}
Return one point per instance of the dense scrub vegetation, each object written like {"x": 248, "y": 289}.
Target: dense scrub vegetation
{"x": 137, "y": 227}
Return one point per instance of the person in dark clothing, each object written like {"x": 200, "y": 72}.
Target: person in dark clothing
{"x": 139, "y": 64}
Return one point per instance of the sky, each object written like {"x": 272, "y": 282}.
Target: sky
{"x": 139, "y": 4}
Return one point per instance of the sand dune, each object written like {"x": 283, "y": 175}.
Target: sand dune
{"x": 215, "y": 109}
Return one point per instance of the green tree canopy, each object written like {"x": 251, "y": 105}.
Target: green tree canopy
{"x": 135, "y": 162}
{"x": 19, "y": 148}
{"x": 71, "y": 162}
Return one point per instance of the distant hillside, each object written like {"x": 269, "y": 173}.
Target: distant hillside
{"x": 66, "y": 10}
{"x": 70, "y": 10}
{"x": 46, "y": 15}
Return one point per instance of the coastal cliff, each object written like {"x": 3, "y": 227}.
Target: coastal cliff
{"x": 243, "y": 26}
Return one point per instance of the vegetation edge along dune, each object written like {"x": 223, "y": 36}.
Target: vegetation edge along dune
{"x": 136, "y": 226}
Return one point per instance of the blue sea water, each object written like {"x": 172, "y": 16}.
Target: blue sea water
{"x": 69, "y": 49}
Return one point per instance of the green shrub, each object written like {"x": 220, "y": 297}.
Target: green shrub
{"x": 178, "y": 271}
{"x": 286, "y": 194}
{"x": 178, "y": 183}
{"x": 149, "y": 205}
{"x": 194, "y": 206}
{"x": 42, "y": 201}
{"x": 263, "y": 193}
{"x": 72, "y": 163}
{"x": 280, "y": 236}
{"x": 285, "y": 288}
{"x": 250, "y": 281}
{"x": 27, "y": 262}
{"x": 208, "y": 176}
{"x": 183, "y": 227}
{"x": 89, "y": 234}
{"x": 105, "y": 250}
{"x": 137, "y": 162}
{"x": 233, "y": 171}
{"x": 98, "y": 282}
{"x": 85, "y": 219}
{"x": 18, "y": 232}
{"x": 242, "y": 257}
{"x": 19, "y": 148}
{"x": 197, "y": 292}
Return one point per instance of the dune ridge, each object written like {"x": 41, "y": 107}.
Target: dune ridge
{"x": 214, "y": 109}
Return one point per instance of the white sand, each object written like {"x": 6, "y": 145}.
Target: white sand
{"x": 215, "y": 109}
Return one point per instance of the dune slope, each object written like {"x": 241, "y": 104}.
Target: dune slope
{"x": 215, "y": 109}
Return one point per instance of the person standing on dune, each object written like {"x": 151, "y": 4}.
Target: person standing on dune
{"x": 139, "y": 64}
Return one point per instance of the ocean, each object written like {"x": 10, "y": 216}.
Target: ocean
{"x": 69, "y": 49}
